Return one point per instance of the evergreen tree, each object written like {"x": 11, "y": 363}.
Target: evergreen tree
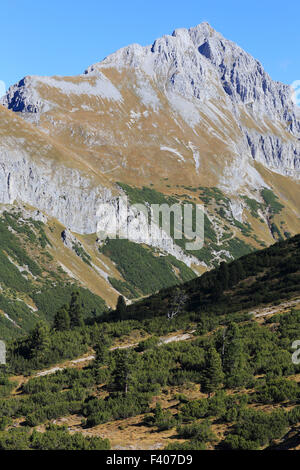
{"x": 233, "y": 275}
{"x": 223, "y": 275}
{"x": 102, "y": 350}
{"x": 62, "y": 319}
{"x": 217, "y": 291}
{"x": 75, "y": 311}
{"x": 240, "y": 270}
{"x": 122, "y": 375}
{"x": 121, "y": 307}
{"x": 39, "y": 341}
{"x": 231, "y": 345}
{"x": 162, "y": 419}
{"x": 213, "y": 373}
{"x": 234, "y": 357}
{"x": 158, "y": 412}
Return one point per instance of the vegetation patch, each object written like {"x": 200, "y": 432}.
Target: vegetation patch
{"x": 271, "y": 201}
{"x": 254, "y": 206}
{"x": 79, "y": 250}
{"x": 49, "y": 301}
{"x": 141, "y": 269}
{"x": 146, "y": 195}
{"x": 215, "y": 194}
{"x": 125, "y": 288}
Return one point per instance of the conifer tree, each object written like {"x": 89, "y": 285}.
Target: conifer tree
{"x": 217, "y": 291}
{"x": 223, "y": 275}
{"x": 62, "y": 319}
{"x": 121, "y": 307}
{"x": 234, "y": 358}
{"x": 177, "y": 303}
{"x": 122, "y": 375}
{"x": 158, "y": 412}
{"x": 75, "y": 311}
{"x": 39, "y": 340}
{"x": 233, "y": 275}
{"x": 213, "y": 373}
{"x": 102, "y": 350}
{"x": 240, "y": 270}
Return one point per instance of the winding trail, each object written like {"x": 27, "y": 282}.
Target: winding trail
{"x": 257, "y": 313}
{"x": 264, "y": 312}
{"x": 163, "y": 340}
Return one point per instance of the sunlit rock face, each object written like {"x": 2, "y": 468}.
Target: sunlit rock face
{"x": 192, "y": 107}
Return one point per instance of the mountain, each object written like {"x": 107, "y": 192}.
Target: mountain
{"x": 192, "y": 118}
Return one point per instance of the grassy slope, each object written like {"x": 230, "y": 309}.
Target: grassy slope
{"x": 33, "y": 284}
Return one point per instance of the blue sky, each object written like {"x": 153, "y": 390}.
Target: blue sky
{"x": 63, "y": 37}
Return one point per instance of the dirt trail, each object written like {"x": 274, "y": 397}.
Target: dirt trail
{"x": 84, "y": 359}
{"x": 172, "y": 339}
{"x": 263, "y": 312}
{"x": 257, "y": 313}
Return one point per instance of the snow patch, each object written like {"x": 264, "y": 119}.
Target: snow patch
{"x": 11, "y": 320}
{"x": 239, "y": 173}
{"x": 147, "y": 95}
{"x": 196, "y": 156}
{"x": 101, "y": 272}
{"x": 102, "y": 88}
{"x": 187, "y": 110}
{"x": 169, "y": 149}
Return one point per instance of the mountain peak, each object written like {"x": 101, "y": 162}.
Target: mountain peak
{"x": 203, "y": 28}
{"x": 195, "y": 76}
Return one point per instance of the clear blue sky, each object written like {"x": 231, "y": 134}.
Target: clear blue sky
{"x": 63, "y": 37}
